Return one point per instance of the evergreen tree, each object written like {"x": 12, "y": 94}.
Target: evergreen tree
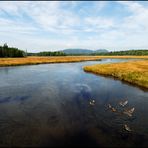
{"x": 6, "y": 51}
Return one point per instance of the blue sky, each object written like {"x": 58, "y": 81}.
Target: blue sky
{"x": 49, "y": 26}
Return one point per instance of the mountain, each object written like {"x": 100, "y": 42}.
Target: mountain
{"x": 101, "y": 51}
{"x": 77, "y": 51}
{"x": 83, "y": 51}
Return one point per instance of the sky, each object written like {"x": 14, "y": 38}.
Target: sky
{"x": 56, "y": 25}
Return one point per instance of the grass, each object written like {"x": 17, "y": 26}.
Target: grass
{"x": 62, "y": 59}
{"x": 135, "y": 72}
{"x": 44, "y": 60}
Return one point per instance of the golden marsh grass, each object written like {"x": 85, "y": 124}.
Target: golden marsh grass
{"x": 135, "y": 72}
{"x": 62, "y": 59}
{"x": 44, "y": 60}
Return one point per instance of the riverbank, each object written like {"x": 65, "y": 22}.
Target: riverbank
{"x": 32, "y": 60}
{"x": 135, "y": 72}
{"x": 44, "y": 60}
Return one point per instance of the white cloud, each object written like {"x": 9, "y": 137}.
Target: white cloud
{"x": 50, "y": 15}
{"x": 138, "y": 17}
{"x": 99, "y": 22}
{"x": 78, "y": 25}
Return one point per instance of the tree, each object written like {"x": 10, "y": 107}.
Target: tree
{"x": 5, "y": 46}
{"x": 6, "y": 51}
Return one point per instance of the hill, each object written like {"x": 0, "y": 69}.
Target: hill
{"x": 83, "y": 51}
{"x": 101, "y": 51}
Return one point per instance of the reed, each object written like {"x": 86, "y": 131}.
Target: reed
{"x": 59, "y": 59}
{"x": 44, "y": 60}
{"x": 135, "y": 72}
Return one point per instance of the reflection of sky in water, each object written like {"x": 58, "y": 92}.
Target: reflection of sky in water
{"x": 49, "y": 105}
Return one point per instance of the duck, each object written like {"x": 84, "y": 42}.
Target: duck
{"x": 123, "y": 103}
{"x": 92, "y": 102}
{"x": 129, "y": 111}
{"x": 113, "y": 109}
{"x": 109, "y": 106}
{"x": 127, "y": 128}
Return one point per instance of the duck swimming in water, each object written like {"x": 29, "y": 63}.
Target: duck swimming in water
{"x": 92, "y": 102}
{"x": 113, "y": 109}
{"x": 109, "y": 106}
{"x": 127, "y": 128}
{"x": 123, "y": 103}
{"x": 129, "y": 111}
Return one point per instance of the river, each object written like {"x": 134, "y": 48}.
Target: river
{"x": 49, "y": 105}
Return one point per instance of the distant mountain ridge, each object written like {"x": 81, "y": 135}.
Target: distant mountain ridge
{"x": 101, "y": 51}
{"x": 83, "y": 51}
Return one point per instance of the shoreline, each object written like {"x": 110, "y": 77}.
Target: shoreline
{"x": 6, "y": 62}
{"x": 34, "y": 60}
{"x": 133, "y": 72}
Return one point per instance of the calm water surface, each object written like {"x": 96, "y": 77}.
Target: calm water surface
{"x": 48, "y": 105}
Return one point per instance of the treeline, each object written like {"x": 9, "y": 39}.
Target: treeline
{"x": 114, "y": 53}
{"x": 6, "y": 51}
{"x": 47, "y": 53}
{"x": 127, "y": 52}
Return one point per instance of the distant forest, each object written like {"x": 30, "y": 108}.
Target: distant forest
{"x": 6, "y": 51}
{"x": 127, "y": 52}
{"x": 60, "y": 53}
{"x": 48, "y": 53}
